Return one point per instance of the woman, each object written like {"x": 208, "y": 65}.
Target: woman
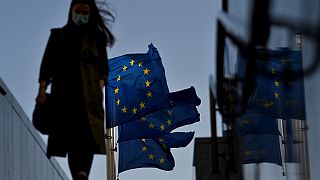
{"x": 75, "y": 64}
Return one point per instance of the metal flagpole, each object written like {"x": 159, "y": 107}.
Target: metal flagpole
{"x": 110, "y": 149}
{"x": 283, "y": 148}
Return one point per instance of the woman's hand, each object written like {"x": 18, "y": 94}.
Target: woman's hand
{"x": 41, "y": 98}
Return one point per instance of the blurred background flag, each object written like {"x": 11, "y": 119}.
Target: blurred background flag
{"x": 182, "y": 111}
{"x": 279, "y": 87}
{"x": 154, "y": 153}
{"x": 262, "y": 148}
{"x": 136, "y": 86}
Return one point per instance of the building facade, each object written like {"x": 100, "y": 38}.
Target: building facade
{"x": 22, "y": 150}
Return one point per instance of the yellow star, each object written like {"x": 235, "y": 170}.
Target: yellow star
{"x": 169, "y": 113}
{"x": 161, "y": 140}
{"x": 247, "y": 153}
{"x": 276, "y": 95}
{"x": 151, "y": 156}
{"x": 143, "y": 119}
{"x": 118, "y": 102}
{"x": 164, "y": 146}
{"x": 124, "y": 109}
{"x": 144, "y": 148}
{"x": 267, "y": 104}
{"x": 169, "y": 122}
{"x": 247, "y": 121}
{"x": 116, "y": 91}
{"x": 142, "y": 105}
{"x": 285, "y": 61}
{"x": 132, "y": 62}
{"x": 273, "y": 71}
{"x": 277, "y": 83}
{"x": 161, "y": 161}
{"x": 162, "y": 127}
{"x": 143, "y": 140}
{"x": 140, "y": 64}
{"x": 149, "y": 94}
{"x": 146, "y": 71}
{"x": 151, "y": 125}
{"x": 119, "y": 77}
{"x": 124, "y": 68}
{"x": 148, "y": 83}
{"x": 134, "y": 110}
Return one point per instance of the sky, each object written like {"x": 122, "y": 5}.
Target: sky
{"x": 182, "y": 30}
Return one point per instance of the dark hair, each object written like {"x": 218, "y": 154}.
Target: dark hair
{"x": 98, "y": 20}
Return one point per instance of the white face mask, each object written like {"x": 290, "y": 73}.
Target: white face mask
{"x": 80, "y": 19}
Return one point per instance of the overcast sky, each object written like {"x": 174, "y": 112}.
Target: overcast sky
{"x": 182, "y": 30}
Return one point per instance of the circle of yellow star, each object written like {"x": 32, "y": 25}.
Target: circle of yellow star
{"x": 124, "y": 68}
{"x": 118, "y": 102}
{"x": 132, "y": 62}
{"x": 148, "y": 83}
{"x": 124, "y": 109}
{"x": 169, "y": 122}
{"x": 144, "y": 148}
{"x": 119, "y": 77}
{"x": 276, "y": 95}
{"x": 143, "y": 119}
{"x": 116, "y": 91}
{"x": 140, "y": 64}
{"x": 151, "y": 125}
{"x": 169, "y": 113}
{"x": 149, "y": 94}
{"x": 142, "y": 105}
{"x": 267, "y": 104}
{"x": 161, "y": 161}
{"x": 151, "y": 156}
{"x": 134, "y": 110}
{"x": 162, "y": 127}
{"x": 277, "y": 83}
{"x": 146, "y": 71}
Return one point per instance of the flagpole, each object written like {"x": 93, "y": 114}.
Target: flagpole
{"x": 109, "y": 143}
{"x": 110, "y": 149}
{"x": 283, "y": 148}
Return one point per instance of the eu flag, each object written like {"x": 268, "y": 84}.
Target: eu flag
{"x": 279, "y": 87}
{"x": 260, "y": 149}
{"x": 182, "y": 111}
{"x": 154, "y": 153}
{"x": 136, "y": 86}
{"x": 256, "y": 123}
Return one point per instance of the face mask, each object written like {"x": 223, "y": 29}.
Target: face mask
{"x": 80, "y": 19}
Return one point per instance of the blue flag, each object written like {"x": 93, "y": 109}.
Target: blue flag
{"x": 182, "y": 111}
{"x": 279, "y": 87}
{"x": 263, "y": 148}
{"x": 154, "y": 153}
{"x": 257, "y": 123}
{"x": 136, "y": 86}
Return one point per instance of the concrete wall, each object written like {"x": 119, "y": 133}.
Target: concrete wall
{"x": 22, "y": 150}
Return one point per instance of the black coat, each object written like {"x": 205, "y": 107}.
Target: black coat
{"x": 73, "y": 63}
